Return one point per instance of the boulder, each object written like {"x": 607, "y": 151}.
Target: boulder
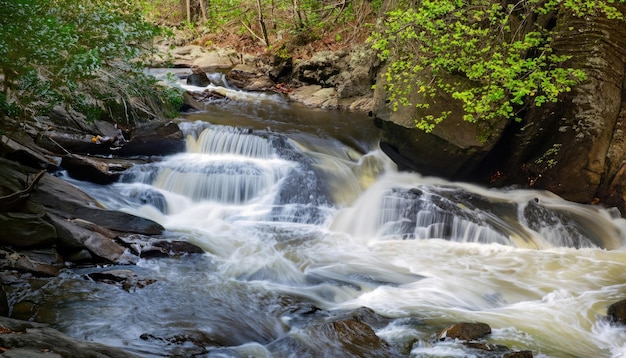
{"x": 315, "y": 96}
{"x": 40, "y": 262}
{"x": 465, "y": 331}
{"x": 341, "y": 338}
{"x": 125, "y": 279}
{"x": 76, "y": 233}
{"x": 617, "y": 312}
{"x": 26, "y": 230}
{"x": 249, "y": 78}
{"x": 153, "y": 138}
{"x": 15, "y": 151}
{"x": 452, "y": 150}
{"x": 58, "y": 197}
{"x": 214, "y": 60}
{"x": 144, "y": 246}
{"x": 92, "y": 169}
{"x": 198, "y": 80}
{"x": 31, "y": 339}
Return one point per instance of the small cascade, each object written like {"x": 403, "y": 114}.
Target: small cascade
{"x": 396, "y": 209}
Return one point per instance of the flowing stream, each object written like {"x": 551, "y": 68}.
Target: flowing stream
{"x": 297, "y": 210}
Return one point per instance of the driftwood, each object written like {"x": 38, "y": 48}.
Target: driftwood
{"x": 9, "y": 201}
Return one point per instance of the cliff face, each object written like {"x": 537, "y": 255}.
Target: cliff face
{"x": 575, "y": 148}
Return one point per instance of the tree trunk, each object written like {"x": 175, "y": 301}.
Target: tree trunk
{"x": 188, "y": 8}
{"x": 203, "y": 10}
{"x": 262, "y": 23}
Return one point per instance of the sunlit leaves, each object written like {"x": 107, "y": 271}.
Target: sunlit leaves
{"x": 507, "y": 57}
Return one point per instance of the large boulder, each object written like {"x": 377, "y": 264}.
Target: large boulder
{"x": 452, "y": 150}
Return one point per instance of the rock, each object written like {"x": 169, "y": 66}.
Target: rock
{"x": 341, "y": 338}
{"x": 315, "y": 96}
{"x": 66, "y": 201}
{"x": 188, "y": 342}
{"x": 76, "y": 233}
{"x": 125, "y": 279}
{"x": 198, "y": 80}
{"x": 249, "y": 78}
{"x": 617, "y": 312}
{"x": 321, "y": 69}
{"x": 452, "y": 150}
{"x": 144, "y": 246}
{"x": 27, "y": 156}
{"x": 40, "y": 262}
{"x": 153, "y": 138}
{"x": 465, "y": 331}
{"x": 30, "y": 339}
{"x": 215, "y": 60}
{"x": 95, "y": 170}
{"x": 281, "y": 69}
{"x": 4, "y": 302}
{"x": 26, "y": 230}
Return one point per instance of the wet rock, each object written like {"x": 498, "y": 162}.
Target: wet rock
{"x": 186, "y": 342}
{"x": 617, "y": 312}
{"x": 153, "y": 138}
{"x": 78, "y": 255}
{"x": 60, "y": 198}
{"x": 77, "y": 233}
{"x": 198, "y": 78}
{"x": 30, "y": 339}
{"x": 91, "y": 169}
{"x": 146, "y": 139}
{"x": 125, "y": 279}
{"x": 144, "y": 246}
{"x": 26, "y": 230}
{"x": 40, "y": 262}
{"x": 345, "y": 338}
{"x": 465, "y": 331}
{"x": 15, "y": 151}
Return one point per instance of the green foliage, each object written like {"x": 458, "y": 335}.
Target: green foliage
{"x": 87, "y": 55}
{"x": 502, "y": 48}
{"x": 549, "y": 157}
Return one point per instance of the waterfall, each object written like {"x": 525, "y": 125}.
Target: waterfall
{"x": 299, "y": 213}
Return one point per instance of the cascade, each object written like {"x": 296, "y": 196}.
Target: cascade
{"x": 299, "y": 213}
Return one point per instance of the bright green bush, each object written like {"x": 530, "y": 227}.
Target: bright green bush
{"x": 503, "y": 48}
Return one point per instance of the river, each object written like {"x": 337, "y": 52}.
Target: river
{"x": 299, "y": 211}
